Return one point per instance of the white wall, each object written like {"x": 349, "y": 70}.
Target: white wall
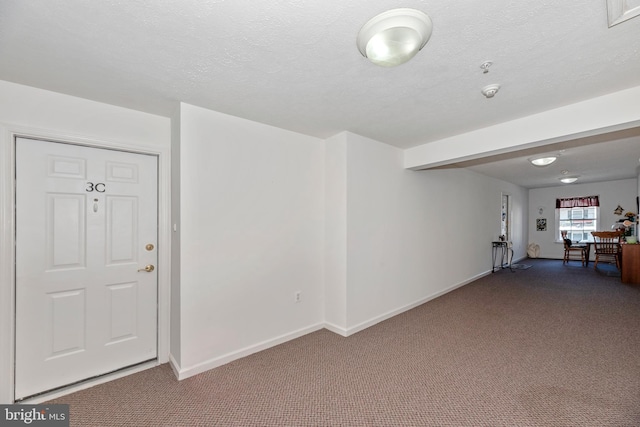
{"x": 53, "y": 113}
{"x": 411, "y": 236}
{"x": 39, "y": 113}
{"x": 266, "y": 212}
{"x": 252, "y": 234}
{"x": 612, "y": 194}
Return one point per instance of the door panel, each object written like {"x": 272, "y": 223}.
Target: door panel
{"x": 122, "y": 310}
{"x": 83, "y": 307}
{"x": 67, "y": 313}
{"x": 122, "y": 227}
{"x": 67, "y": 167}
{"x": 122, "y": 172}
{"x": 65, "y": 231}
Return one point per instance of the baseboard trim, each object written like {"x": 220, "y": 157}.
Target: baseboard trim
{"x": 366, "y": 324}
{"x": 182, "y": 373}
{"x": 336, "y": 329}
{"x": 190, "y": 371}
{"x": 175, "y": 366}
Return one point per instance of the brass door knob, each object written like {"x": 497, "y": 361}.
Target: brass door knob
{"x": 148, "y": 268}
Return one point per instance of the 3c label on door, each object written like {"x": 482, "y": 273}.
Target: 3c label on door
{"x": 99, "y": 187}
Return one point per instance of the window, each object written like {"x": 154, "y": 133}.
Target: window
{"x": 578, "y": 222}
{"x": 578, "y": 216}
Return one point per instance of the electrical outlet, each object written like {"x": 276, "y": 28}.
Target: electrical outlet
{"x": 297, "y": 296}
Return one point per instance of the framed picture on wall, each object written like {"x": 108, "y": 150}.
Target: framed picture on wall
{"x": 541, "y": 224}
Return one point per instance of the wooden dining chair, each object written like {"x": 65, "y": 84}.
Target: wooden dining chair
{"x": 575, "y": 250}
{"x": 607, "y": 247}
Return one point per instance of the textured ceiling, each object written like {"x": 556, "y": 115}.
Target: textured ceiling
{"x": 294, "y": 64}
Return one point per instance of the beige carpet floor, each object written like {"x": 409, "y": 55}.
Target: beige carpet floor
{"x": 552, "y": 345}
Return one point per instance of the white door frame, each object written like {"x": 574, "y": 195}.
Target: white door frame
{"x": 8, "y": 133}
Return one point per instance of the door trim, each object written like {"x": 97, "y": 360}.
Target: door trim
{"x": 8, "y": 134}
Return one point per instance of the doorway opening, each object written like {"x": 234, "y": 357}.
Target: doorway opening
{"x": 505, "y": 217}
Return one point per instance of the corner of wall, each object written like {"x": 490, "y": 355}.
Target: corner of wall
{"x": 335, "y": 268}
{"x": 175, "y": 312}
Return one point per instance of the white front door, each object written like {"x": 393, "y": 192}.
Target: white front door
{"x": 86, "y": 228}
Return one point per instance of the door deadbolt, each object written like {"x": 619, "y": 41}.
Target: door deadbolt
{"x": 149, "y": 247}
{"x": 148, "y": 268}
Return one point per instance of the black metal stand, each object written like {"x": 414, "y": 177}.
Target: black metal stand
{"x": 502, "y": 250}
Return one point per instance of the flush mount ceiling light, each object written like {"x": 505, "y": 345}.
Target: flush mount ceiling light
{"x": 543, "y": 161}
{"x": 569, "y": 179}
{"x": 394, "y": 37}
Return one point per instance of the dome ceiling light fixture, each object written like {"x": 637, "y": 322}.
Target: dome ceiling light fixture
{"x": 394, "y": 37}
{"x": 569, "y": 179}
{"x": 543, "y": 161}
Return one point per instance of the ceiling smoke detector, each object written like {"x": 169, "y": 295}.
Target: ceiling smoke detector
{"x": 485, "y": 66}
{"x": 490, "y": 91}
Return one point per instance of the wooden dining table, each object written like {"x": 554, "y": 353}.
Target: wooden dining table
{"x": 588, "y": 244}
